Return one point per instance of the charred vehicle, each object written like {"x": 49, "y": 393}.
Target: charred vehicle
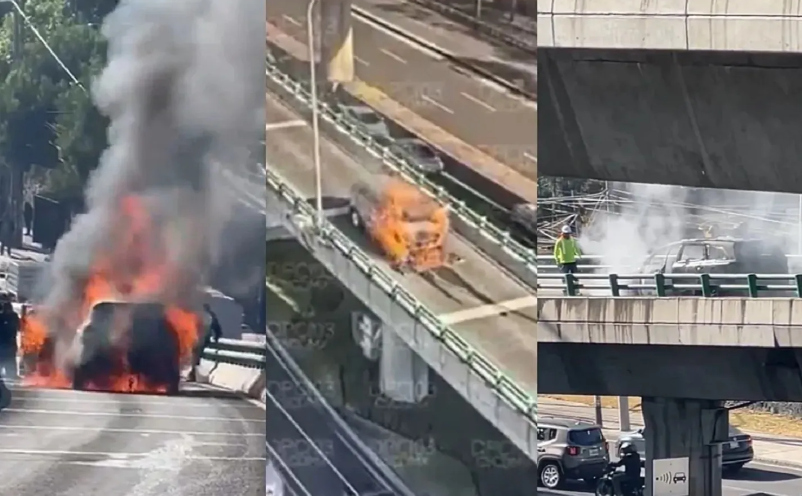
{"x": 134, "y": 336}
{"x": 409, "y": 228}
{"x": 713, "y": 256}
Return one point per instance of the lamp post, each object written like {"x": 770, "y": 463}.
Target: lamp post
{"x": 310, "y": 33}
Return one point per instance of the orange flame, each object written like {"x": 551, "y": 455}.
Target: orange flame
{"x": 135, "y": 268}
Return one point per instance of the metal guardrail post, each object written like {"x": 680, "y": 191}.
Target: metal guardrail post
{"x": 798, "y": 282}
{"x": 707, "y": 287}
{"x": 614, "y": 289}
{"x": 660, "y": 284}
{"x": 751, "y": 282}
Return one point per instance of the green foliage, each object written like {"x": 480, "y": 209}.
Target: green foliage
{"x": 48, "y": 120}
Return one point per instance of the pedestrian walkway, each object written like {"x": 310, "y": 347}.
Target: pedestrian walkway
{"x": 769, "y": 448}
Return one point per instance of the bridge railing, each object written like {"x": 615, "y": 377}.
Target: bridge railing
{"x": 249, "y": 354}
{"x": 705, "y": 285}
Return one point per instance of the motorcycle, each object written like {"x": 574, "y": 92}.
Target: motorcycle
{"x": 604, "y": 485}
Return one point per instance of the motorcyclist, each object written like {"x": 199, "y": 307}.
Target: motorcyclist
{"x": 566, "y": 251}
{"x": 630, "y": 477}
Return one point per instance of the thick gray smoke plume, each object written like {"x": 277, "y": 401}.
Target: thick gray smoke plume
{"x": 183, "y": 89}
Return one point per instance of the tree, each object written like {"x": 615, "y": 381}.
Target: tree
{"x": 43, "y": 112}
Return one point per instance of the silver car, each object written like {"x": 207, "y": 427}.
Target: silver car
{"x": 366, "y": 118}
{"x": 419, "y": 154}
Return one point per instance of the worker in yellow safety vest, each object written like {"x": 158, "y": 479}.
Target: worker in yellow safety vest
{"x": 566, "y": 251}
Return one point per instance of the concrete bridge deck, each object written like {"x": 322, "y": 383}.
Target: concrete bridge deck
{"x": 739, "y": 25}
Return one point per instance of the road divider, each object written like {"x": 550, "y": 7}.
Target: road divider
{"x": 237, "y": 365}
{"x": 491, "y": 240}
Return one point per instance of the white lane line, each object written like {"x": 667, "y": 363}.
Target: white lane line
{"x": 291, "y": 20}
{"x": 361, "y": 61}
{"x": 478, "y": 101}
{"x": 284, "y": 125}
{"x": 165, "y": 432}
{"x": 531, "y": 157}
{"x": 491, "y": 310}
{"x": 437, "y": 104}
{"x": 393, "y": 56}
{"x": 134, "y": 415}
{"x": 122, "y": 456}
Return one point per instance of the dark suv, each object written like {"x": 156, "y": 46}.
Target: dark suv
{"x": 147, "y": 344}
{"x": 569, "y": 449}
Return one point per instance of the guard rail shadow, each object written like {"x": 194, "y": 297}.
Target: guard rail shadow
{"x": 667, "y": 284}
{"x": 478, "y": 230}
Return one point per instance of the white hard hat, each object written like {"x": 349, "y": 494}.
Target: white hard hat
{"x": 566, "y": 229}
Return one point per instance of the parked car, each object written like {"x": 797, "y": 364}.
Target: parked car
{"x": 721, "y": 255}
{"x": 570, "y": 449}
{"x": 420, "y": 154}
{"x": 367, "y": 118}
{"x": 524, "y": 217}
{"x": 735, "y": 453}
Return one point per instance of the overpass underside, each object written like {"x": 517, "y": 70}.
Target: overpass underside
{"x": 702, "y": 119}
{"x": 697, "y": 372}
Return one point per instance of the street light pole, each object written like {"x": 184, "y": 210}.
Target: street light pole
{"x": 310, "y": 33}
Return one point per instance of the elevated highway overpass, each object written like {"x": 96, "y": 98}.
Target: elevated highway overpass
{"x": 684, "y": 356}
{"x": 693, "y": 93}
{"x": 476, "y": 328}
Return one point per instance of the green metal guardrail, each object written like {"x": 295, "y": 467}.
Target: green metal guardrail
{"x": 248, "y": 354}
{"x": 705, "y": 285}
{"x": 400, "y": 165}
{"x": 484, "y": 368}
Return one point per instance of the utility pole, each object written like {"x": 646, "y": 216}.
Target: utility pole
{"x": 17, "y": 170}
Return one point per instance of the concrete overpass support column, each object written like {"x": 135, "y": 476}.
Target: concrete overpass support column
{"x": 337, "y": 42}
{"x": 403, "y": 375}
{"x": 683, "y": 445}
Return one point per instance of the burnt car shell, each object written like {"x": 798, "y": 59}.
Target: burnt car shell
{"x": 720, "y": 255}
{"x": 150, "y": 346}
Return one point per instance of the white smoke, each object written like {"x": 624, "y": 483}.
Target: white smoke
{"x": 183, "y": 88}
{"x": 654, "y": 215}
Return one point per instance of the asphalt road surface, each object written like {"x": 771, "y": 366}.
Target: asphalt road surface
{"x": 467, "y": 107}
{"x": 755, "y": 479}
{"x": 205, "y": 442}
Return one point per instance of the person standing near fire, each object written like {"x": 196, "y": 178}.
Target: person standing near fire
{"x": 211, "y": 332}
{"x": 9, "y": 330}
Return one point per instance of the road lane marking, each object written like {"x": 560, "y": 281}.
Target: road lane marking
{"x": 284, "y": 125}
{"x": 60, "y": 413}
{"x": 291, "y": 20}
{"x": 473, "y": 157}
{"x": 491, "y": 310}
{"x": 361, "y": 61}
{"x": 478, "y": 101}
{"x": 436, "y": 104}
{"x": 123, "y": 456}
{"x": 392, "y": 55}
{"x": 164, "y": 432}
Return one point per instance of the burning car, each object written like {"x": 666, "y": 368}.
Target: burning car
{"x": 127, "y": 341}
{"x": 123, "y": 346}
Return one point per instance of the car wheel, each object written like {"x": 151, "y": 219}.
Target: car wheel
{"x": 550, "y": 475}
